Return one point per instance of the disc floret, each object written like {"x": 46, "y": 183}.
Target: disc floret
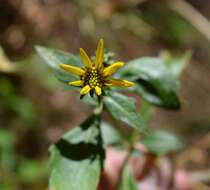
{"x": 93, "y": 78}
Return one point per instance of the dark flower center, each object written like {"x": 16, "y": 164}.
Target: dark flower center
{"x": 93, "y": 78}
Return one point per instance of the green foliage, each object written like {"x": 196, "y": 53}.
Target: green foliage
{"x": 77, "y": 158}
{"x": 30, "y": 170}
{"x": 7, "y": 139}
{"x": 53, "y": 58}
{"x": 110, "y": 135}
{"x": 156, "y": 79}
{"x": 153, "y": 81}
{"x": 15, "y": 169}
{"x": 145, "y": 112}
{"x": 23, "y": 107}
{"x": 123, "y": 108}
{"x": 162, "y": 142}
{"x": 10, "y": 100}
{"x": 177, "y": 64}
{"x": 92, "y": 101}
{"x": 7, "y": 142}
{"x": 128, "y": 182}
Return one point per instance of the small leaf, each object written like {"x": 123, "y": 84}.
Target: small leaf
{"x": 53, "y": 58}
{"x": 127, "y": 181}
{"x": 161, "y": 142}
{"x": 77, "y": 158}
{"x": 155, "y": 81}
{"x": 176, "y": 64}
{"x": 123, "y": 108}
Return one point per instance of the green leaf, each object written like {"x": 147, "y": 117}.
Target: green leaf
{"x": 156, "y": 95}
{"x": 127, "y": 181}
{"x": 77, "y": 158}
{"x": 29, "y": 171}
{"x": 176, "y": 64}
{"x": 154, "y": 80}
{"x": 53, "y": 58}
{"x": 162, "y": 142}
{"x": 110, "y": 135}
{"x": 123, "y": 108}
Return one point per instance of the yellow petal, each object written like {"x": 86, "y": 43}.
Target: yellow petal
{"x": 99, "y": 54}
{"x": 108, "y": 71}
{"x": 119, "y": 83}
{"x": 98, "y": 90}
{"x": 85, "y": 58}
{"x": 76, "y": 83}
{"x": 72, "y": 69}
{"x": 85, "y": 90}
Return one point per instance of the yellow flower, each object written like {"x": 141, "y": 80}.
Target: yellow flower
{"x": 94, "y": 77}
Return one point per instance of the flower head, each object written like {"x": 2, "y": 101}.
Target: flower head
{"x": 94, "y": 77}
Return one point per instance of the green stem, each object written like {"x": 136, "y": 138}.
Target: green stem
{"x": 98, "y": 110}
{"x": 125, "y": 162}
{"x": 145, "y": 112}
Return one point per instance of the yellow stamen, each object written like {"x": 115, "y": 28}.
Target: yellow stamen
{"x": 76, "y": 83}
{"x": 85, "y": 90}
{"x": 108, "y": 71}
{"x": 119, "y": 83}
{"x": 98, "y": 90}
{"x": 99, "y": 54}
{"x": 85, "y": 58}
{"x": 72, "y": 69}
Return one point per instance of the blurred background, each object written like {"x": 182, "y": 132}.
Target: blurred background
{"x": 35, "y": 110}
